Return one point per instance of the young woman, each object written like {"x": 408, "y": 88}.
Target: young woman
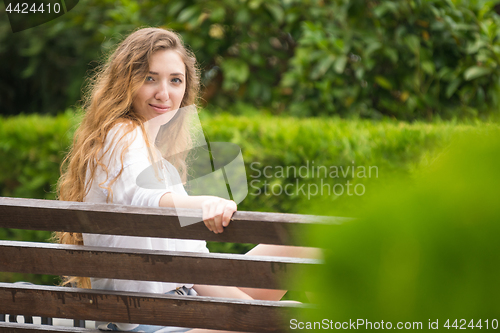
{"x": 148, "y": 81}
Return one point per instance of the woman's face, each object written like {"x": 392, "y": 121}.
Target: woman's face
{"x": 164, "y": 87}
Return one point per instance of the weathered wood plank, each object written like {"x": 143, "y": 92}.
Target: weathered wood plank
{"x": 247, "y": 227}
{"x": 30, "y": 328}
{"x": 150, "y": 265}
{"x": 194, "y": 312}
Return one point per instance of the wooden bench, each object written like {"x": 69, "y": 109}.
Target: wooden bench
{"x": 167, "y": 266}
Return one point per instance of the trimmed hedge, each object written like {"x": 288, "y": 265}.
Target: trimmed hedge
{"x": 32, "y": 148}
{"x": 394, "y": 148}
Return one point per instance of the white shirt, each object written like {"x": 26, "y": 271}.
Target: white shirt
{"x": 126, "y": 192}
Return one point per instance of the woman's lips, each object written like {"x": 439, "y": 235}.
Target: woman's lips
{"x": 160, "y": 108}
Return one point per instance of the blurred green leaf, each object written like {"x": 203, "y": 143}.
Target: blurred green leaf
{"x": 413, "y": 43}
{"x": 383, "y": 82}
{"x": 340, "y": 64}
{"x": 428, "y": 67}
{"x": 277, "y": 12}
{"x": 235, "y": 70}
{"x": 323, "y": 65}
{"x": 452, "y": 87}
{"x": 475, "y": 72}
{"x": 188, "y": 13}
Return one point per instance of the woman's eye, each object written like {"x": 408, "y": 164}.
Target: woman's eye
{"x": 176, "y": 80}
{"x": 149, "y": 78}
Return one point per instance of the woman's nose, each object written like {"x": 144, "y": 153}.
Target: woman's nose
{"x": 162, "y": 93}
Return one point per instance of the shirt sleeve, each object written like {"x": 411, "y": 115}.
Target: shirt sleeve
{"x": 142, "y": 181}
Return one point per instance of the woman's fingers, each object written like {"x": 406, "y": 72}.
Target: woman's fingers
{"x": 217, "y": 213}
{"x": 211, "y": 215}
{"x": 219, "y": 210}
{"x": 229, "y": 210}
{"x": 206, "y": 210}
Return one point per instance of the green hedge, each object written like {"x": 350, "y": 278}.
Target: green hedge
{"x": 394, "y": 148}
{"x": 32, "y": 148}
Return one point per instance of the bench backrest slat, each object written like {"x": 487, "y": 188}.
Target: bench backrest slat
{"x": 247, "y": 227}
{"x": 252, "y": 316}
{"x": 166, "y": 266}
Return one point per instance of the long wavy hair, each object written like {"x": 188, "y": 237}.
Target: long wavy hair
{"x": 107, "y": 103}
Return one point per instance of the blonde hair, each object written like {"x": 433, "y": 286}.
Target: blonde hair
{"x": 107, "y": 103}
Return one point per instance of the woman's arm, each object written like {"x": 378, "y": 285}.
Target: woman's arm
{"x": 217, "y": 212}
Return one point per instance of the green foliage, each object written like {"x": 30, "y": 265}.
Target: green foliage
{"x": 230, "y": 39}
{"x": 406, "y": 59}
{"x": 423, "y": 248}
{"x": 32, "y": 148}
{"x": 410, "y": 60}
{"x": 280, "y": 154}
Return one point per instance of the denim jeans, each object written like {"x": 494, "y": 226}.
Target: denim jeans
{"x": 153, "y": 328}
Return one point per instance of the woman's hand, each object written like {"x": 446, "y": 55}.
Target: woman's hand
{"x": 217, "y": 213}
